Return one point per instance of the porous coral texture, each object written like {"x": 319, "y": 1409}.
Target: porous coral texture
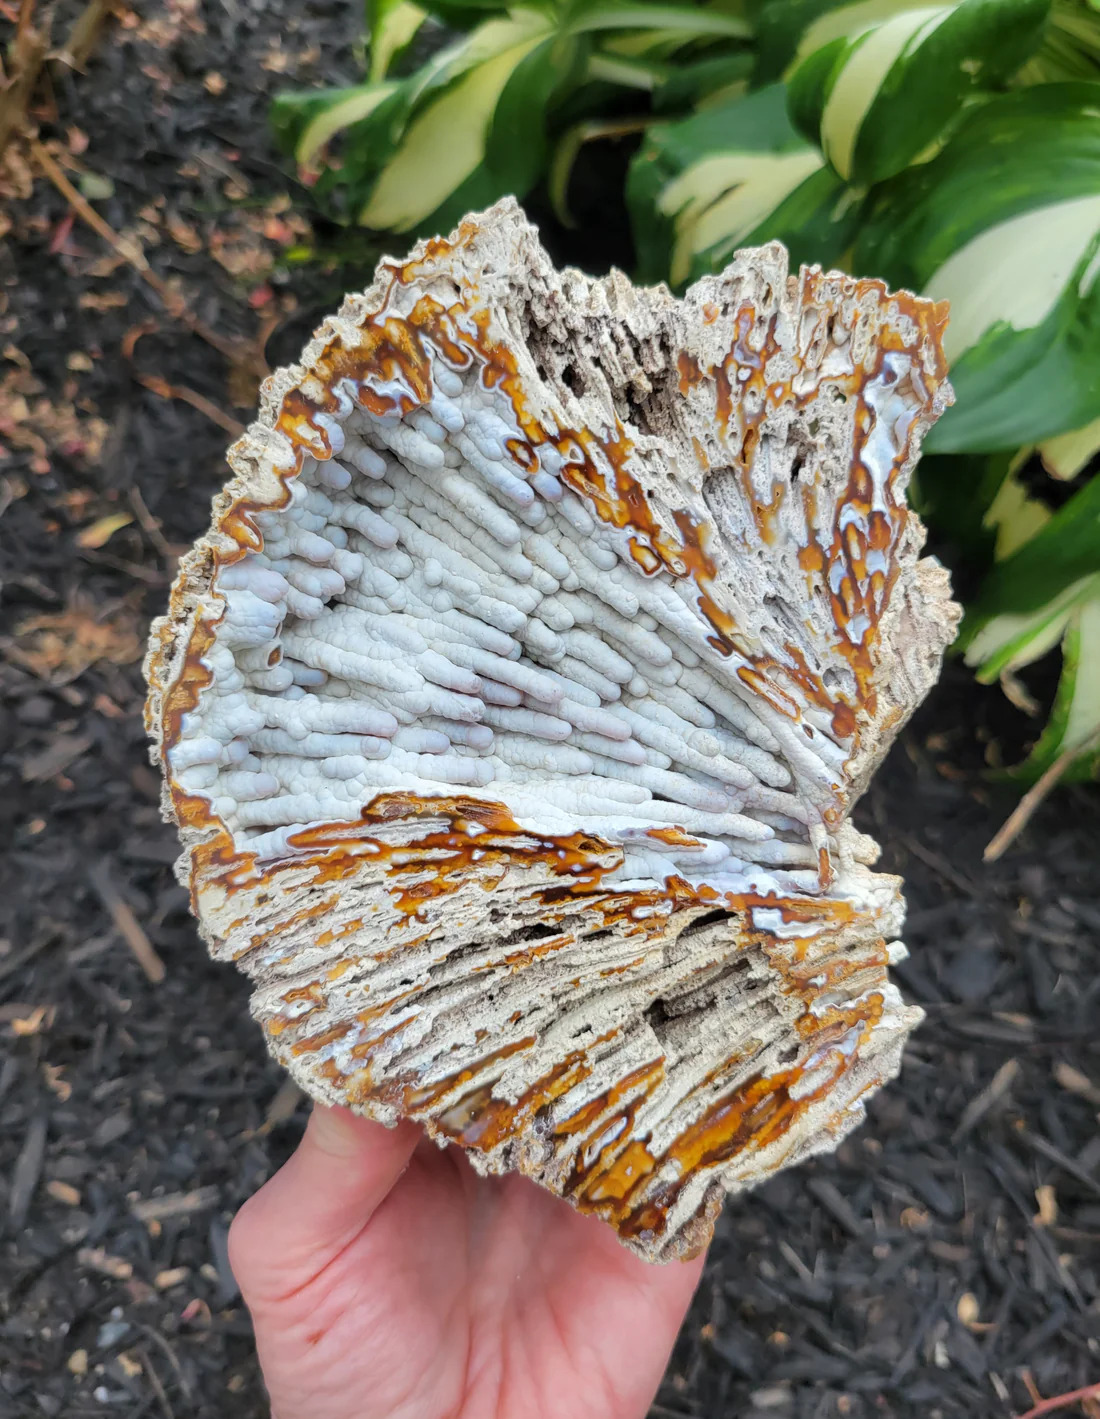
{"x": 513, "y": 709}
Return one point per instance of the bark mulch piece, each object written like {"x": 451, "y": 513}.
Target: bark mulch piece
{"x": 944, "y": 1263}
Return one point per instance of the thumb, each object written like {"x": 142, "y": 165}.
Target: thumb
{"x": 343, "y": 1169}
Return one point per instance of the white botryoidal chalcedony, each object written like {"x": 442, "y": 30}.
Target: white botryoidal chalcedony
{"x": 513, "y": 709}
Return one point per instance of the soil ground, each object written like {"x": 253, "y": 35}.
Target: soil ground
{"x": 944, "y": 1264}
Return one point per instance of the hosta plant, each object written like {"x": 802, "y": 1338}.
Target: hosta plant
{"x": 513, "y": 84}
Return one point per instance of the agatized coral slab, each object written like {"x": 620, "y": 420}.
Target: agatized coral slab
{"x": 513, "y": 709}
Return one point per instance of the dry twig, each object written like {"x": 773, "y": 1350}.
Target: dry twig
{"x": 28, "y": 51}
{"x": 151, "y": 527}
{"x": 131, "y": 253}
{"x": 191, "y": 396}
{"x": 1021, "y": 815}
{"x": 85, "y": 32}
{"x": 127, "y": 924}
{"x": 1062, "y": 1401}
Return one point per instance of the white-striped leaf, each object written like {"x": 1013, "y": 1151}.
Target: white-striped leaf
{"x": 445, "y": 144}
{"x": 1008, "y": 643}
{"x": 1005, "y": 223}
{"x": 392, "y": 24}
{"x": 1065, "y": 455}
{"x": 877, "y": 98}
{"x": 1013, "y": 516}
{"x": 789, "y": 30}
{"x": 1034, "y": 597}
{"x": 1074, "y": 723}
{"x": 730, "y": 176}
{"x": 416, "y": 154}
{"x": 340, "y": 113}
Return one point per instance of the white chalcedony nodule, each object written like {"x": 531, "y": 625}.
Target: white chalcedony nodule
{"x": 513, "y": 709}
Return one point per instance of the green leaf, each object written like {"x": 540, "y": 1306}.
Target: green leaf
{"x": 351, "y": 108}
{"x": 1070, "y": 47}
{"x": 625, "y": 71}
{"x": 682, "y": 19}
{"x": 730, "y": 176}
{"x": 368, "y": 121}
{"x": 1018, "y": 152}
{"x": 716, "y": 79}
{"x": 1005, "y": 223}
{"x": 1049, "y": 568}
{"x": 877, "y": 98}
{"x": 517, "y": 147}
{"x": 1074, "y": 722}
{"x": 789, "y": 30}
{"x": 1014, "y": 515}
{"x": 1065, "y": 455}
{"x": 392, "y": 24}
{"x": 816, "y": 76}
{"x": 445, "y": 142}
{"x": 1023, "y": 385}
{"x": 465, "y": 14}
{"x": 954, "y": 493}
{"x": 292, "y": 112}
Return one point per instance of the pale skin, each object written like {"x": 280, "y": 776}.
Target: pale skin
{"x": 385, "y": 1278}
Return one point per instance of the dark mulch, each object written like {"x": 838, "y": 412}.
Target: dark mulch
{"x": 945, "y": 1262}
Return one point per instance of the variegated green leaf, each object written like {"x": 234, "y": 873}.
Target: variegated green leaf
{"x": 517, "y": 147}
{"x": 1065, "y": 455}
{"x": 846, "y": 19}
{"x": 1026, "y": 600}
{"x": 1009, "y": 641}
{"x": 1005, "y": 223}
{"x": 878, "y": 97}
{"x": 732, "y": 175}
{"x": 604, "y": 15}
{"x": 355, "y": 105}
{"x": 1014, "y": 516}
{"x": 446, "y": 140}
{"x": 703, "y": 83}
{"x": 373, "y": 120}
{"x": 1071, "y": 45}
{"x": 392, "y": 25}
{"x": 1074, "y": 723}
{"x": 786, "y": 31}
{"x": 465, "y": 14}
{"x": 366, "y": 123}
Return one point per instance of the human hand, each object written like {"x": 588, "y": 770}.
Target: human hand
{"x": 385, "y": 1278}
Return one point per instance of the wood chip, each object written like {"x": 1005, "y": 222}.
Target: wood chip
{"x": 174, "y": 1204}
{"x": 1047, "y": 1214}
{"x": 1076, "y": 1082}
{"x": 63, "y": 1192}
{"x": 980, "y": 1105}
{"x": 836, "y": 1205}
{"x": 99, "y": 1260}
{"x": 55, "y": 757}
{"x": 100, "y": 532}
{"x": 174, "y": 1276}
{"x": 27, "y": 1171}
{"x": 967, "y": 1308}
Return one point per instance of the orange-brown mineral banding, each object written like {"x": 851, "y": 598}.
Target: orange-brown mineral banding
{"x": 513, "y": 709}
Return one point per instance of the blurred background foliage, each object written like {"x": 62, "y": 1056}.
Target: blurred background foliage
{"x": 951, "y": 149}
